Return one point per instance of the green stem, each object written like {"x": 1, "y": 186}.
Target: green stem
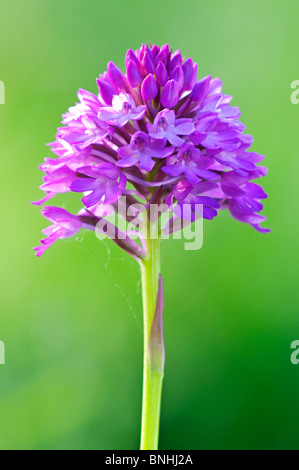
{"x": 152, "y": 379}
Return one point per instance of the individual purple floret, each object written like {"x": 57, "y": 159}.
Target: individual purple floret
{"x": 65, "y": 225}
{"x": 143, "y": 150}
{"x": 105, "y": 182}
{"x": 191, "y": 163}
{"x": 155, "y": 134}
{"x": 122, "y": 111}
{"x": 166, "y": 126}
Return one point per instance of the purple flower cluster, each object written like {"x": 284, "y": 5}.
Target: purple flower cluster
{"x": 157, "y": 133}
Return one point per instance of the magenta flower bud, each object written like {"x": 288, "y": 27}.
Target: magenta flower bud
{"x": 170, "y": 94}
{"x": 178, "y": 75}
{"x": 201, "y": 88}
{"x": 175, "y": 61}
{"x": 161, "y": 74}
{"x": 116, "y": 76}
{"x": 130, "y": 55}
{"x": 188, "y": 74}
{"x": 155, "y": 50}
{"x": 145, "y": 49}
{"x": 147, "y": 64}
{"x": 194, "y": 76}
{"x": 133, "y": 74}
{"x": 163, "y": 55}
{"x": 106, "y": 91}
{"x": 149, "y": 89}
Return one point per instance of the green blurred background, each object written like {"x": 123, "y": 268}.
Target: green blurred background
{"x": 71, "y": 321}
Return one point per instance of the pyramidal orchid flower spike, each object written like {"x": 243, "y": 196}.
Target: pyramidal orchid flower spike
{"x": 153, "y": 135}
